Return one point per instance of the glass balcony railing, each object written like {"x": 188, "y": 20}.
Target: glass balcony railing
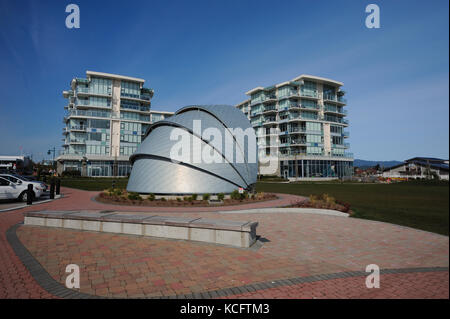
{"x": 128, "y": 107}
{"x": 297, "y": 130}
{"x": 257, "y": 113}
{"x": 335, "y": 110}
{"x": 334, "y": 98}
{"x": 298, "y": 142}
{"x": 309, "y": 107}
{"x": 287, "y": 94}
{"x": 91, "y": 104}
{"x": 77, "y": 141}
{"x": 78, "y": 127}
{"x": 88, "y": 113}
{"x": 269, "y": 97}
{"x": 309, "y": 93}
{"x": 336, "y": 120}
{"x": 257, "y": 123}
{"x": 270, "y": 108}
{"x": 343, "y": 145}
{"x": 136, "y": 96}
{"x": 91, "y": 91}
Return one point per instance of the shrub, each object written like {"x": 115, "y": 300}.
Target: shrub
{"x": 328, "y": 199}
{"x": 260, "y": 195}
{"x": 117, "y": 191}
{"x": 163, "y": 199}
{"x": 110, "y": 191}
{"x": 235, "y": 194}
{"x": 71, "y": 173}
{"x": 134, "y": 196}
{"x": 187, "y": 198}
{"x": 151, "y": 197}
{"x": 194, "y": 196}
{"x": 206, "y": 196}
{"x": 221, "y": 196}
{"x": 178, "y": 199}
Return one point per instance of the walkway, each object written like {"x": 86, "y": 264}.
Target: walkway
{"x": 298, "y": 250}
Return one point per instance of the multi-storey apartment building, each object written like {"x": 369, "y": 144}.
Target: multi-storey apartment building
{"x": 107, "y": 117}
{"x": 301, "y": 125}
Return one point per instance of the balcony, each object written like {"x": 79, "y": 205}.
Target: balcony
{"x": 82, "y": 104}
{"x": 346, "y": 134}
{"x": 268, "y": 99}
{"x": 335, "y": 111}
{"x": 270, "y": 109}
{"x": 254, "y": 114}
{"x": 298, "y": 143}
{"x": 343, "y": 145}
{"x": 270, "y": 121}
{"x": 77, "y": 141}
{"x": 82, "y": 113}
{"x": 79, "y": 128}
{"x": 128, "y": 108}
{"x": 309, "y": 94}
{"x": 257, "y": 123}
{"x": 309, "y": 107}
{"x": 288, "y": 95}
{"x": 89, "y": 91}
{"x": 336, "y": 120}
{"x": 297, "y": 131}
{"x": 135, "y": 97}
{"x": 334, "y": 98}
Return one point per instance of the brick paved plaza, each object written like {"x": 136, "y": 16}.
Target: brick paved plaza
{"x": 294, "y": 246}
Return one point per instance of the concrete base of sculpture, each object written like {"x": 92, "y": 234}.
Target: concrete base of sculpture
{"x": 232, "y": 233}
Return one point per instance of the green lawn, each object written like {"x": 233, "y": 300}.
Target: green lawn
{"x": 93, "y": 184}
{"x": 422, "y": 205}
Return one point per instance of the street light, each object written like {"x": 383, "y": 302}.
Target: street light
{"x": 53, "y": 150}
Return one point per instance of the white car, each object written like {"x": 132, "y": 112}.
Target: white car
{"x": 10, "y": 190}
{"x": 19, "y": 182}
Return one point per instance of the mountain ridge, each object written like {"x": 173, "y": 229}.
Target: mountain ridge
{"x": 368, "y": 163}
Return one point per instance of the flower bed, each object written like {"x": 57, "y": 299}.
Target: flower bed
{"x": 324, "y": 201}
{"x": 122, "y": 197}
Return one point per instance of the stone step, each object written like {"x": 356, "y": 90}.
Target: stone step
{"x": 225, "y": 232}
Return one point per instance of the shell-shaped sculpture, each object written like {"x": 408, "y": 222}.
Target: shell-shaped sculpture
{"x": 200, "y": 149}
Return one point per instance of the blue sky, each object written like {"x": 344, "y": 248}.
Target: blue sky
{"x": 211, "y": 52}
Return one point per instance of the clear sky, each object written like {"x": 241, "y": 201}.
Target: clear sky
{"x": 211, "y": 52}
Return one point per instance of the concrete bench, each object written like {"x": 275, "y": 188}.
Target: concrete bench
{"x": 233, "y": 233}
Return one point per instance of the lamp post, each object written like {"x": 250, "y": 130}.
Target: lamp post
{"x": 52, "y": 150}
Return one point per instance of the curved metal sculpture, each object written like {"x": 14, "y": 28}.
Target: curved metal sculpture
{"x": 202, "y": 133}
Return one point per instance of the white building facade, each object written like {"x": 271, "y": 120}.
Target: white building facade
{"x": 301, "y": 128}
{"x": 107, "y": 117}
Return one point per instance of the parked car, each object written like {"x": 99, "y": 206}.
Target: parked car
{"x": 10, "y": 190}
{"x": 31, "y": 179}
{"x": 38, "y": 187}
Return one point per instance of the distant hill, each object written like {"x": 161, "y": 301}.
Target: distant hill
{"x": 363, "y": 163}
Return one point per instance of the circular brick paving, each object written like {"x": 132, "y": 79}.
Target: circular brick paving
{"x": 295, "y": 246}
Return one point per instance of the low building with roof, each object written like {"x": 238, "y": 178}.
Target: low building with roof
{"x": 419, "y": 167}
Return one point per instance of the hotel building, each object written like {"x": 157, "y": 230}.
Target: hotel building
{"x": 301, "y": 127}
{"x": 107, "y": 118}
